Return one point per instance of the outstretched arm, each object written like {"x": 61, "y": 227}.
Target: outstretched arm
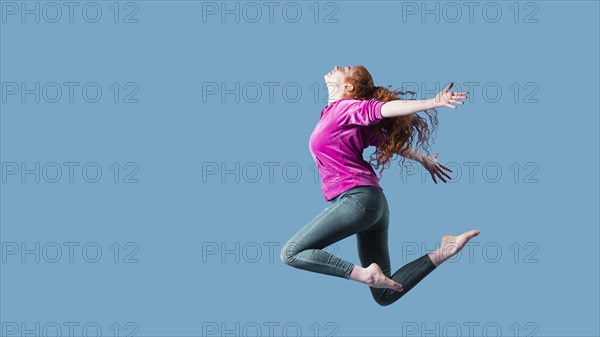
{"x": 412, "y": 154}
{"x": 397, "y": 108}
{"x": 430, "y": 163}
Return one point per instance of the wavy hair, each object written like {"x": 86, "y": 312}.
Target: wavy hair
{"x": 394, "y": 132}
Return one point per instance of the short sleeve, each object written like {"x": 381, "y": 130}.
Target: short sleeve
{"x": 365, "y": 112}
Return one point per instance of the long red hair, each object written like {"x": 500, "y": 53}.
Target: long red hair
{"x": 394, "y": 132}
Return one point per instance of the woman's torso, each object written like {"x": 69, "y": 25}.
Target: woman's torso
{"x": 337, "y": 144}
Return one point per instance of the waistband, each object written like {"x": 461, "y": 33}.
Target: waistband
{"x": 368, "y": 188}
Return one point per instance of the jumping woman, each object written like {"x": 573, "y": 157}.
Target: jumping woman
{"x": 359, "y": 115}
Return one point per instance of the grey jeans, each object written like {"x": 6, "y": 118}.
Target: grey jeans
{"x": 363, "y": 211}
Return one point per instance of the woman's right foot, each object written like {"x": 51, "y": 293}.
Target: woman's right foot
{"x": 451, "y": 245}
{"x": 377, "y": 279}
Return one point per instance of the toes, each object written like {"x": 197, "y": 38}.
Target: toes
{"x": 397, "y": 286}
{"x": 472, "y": 233}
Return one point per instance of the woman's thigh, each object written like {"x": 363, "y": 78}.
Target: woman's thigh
{"x": 351, "y": 212}
{"x": 372, "y": 243}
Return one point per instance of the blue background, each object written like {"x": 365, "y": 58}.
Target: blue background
{"x": 539, "y": 271}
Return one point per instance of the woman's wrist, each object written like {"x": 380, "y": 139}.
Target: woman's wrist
{"x": 420, "y": 158}
{"x": 430, "y": 104}
{"x": 413, "y": 154}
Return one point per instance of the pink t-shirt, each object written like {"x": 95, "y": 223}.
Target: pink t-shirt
{"x": 338, "y": 141}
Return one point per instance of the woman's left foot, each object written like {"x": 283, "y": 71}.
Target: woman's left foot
{"x": 451, "y": 245}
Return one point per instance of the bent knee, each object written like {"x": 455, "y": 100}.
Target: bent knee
{"x": 383, "y": 303}
{"x": 384, "y": 300}
{"x": 288, "y": 254}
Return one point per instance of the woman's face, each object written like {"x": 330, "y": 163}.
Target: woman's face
{"x": 337, "y": 76}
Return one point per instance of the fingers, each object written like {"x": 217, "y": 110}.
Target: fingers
{"x": 448, "y": 87}
{"x": 436, "y": 170}
{"x": 446, "y": 174}
{"x": 439, "y": 174}
{"x": 456, "y": 93}
{"x": 452, "y": 97}
{"x": 433, "y": 177}
{"x": 441, "y": 178}
{"x": 455, "y": 96}
{"x": 444, "y": 167}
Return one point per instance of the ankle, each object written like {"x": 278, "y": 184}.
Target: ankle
{"x": 435, "y": 258}
{"x": 360, "y": 274}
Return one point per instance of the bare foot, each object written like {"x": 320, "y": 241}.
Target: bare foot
{"x": 374, "y": 277}
{"x": 451, "y": 245}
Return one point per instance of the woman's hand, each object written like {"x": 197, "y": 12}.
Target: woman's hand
{"x": 435, "y": 168}
{"x": 445, "y": 97}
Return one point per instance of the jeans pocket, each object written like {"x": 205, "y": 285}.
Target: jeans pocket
{"x": 361, "y": 200}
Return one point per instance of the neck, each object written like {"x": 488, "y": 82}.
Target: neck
{"x": 333, "y": 98}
